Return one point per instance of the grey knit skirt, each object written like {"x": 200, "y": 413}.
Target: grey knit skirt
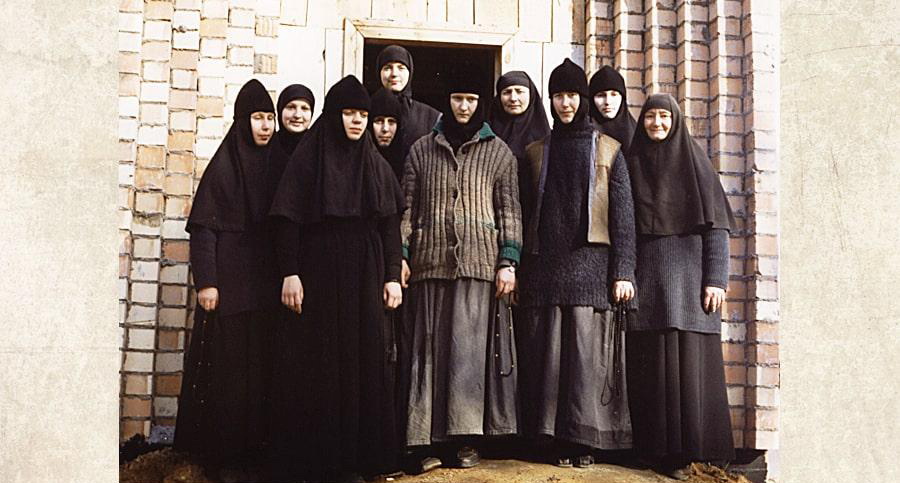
{"x": 564, "y": 355}
{"x": 462, "y": 379}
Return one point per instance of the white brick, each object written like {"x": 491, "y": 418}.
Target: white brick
{"x": 129, "y": 107}
{"x": 141, "y": 338}
{"x": 138, "y": 361}
{"x": 215, "y": 9}
{"x": 142, "y": 227}
{"x": 153, "y": 135}
{"x": 156, "y": 71}
{"x": 147, "y": 247}
{"x": 157, "y": 30}
{"x": 211, "y": 67}
{"x": 145, "y": 271}
{"x": 125, "y": 217}
{"x": 126, "y": 176}
{"x": 131, "y": 22}
{"x": 129, "y": 42}
{"x": 189, "y": 40}
{"x": 154, "y": 113}
{"x": 206, "y": 147}
{"x": 144, "y": 293}
{"x": 183, "y": 79}
{"x": 155, "y": 91}
{"x": 212, "y": 47}
{"x": 186, "y": 19}
{"x": 128, "y": 129}
{"x": 213, "y": 127}
{"x": 265, "y": 45}
{"x": 169, "y": 361}
{"x": 174, "y": 274}
{"x": 245, "y": 4}
{"x": 236, "y": 76}
{"x": 174, "y": 230}
{"x": 212, "y": 86}
{"x": 241, "y": 18}
{"x": 165, "y": 406}
{"x": 241, "y": 36}
{"x": 268, "y": 8}
{"x": 123, "y": 288}
{"x": 182, "y": 121}
{"x": 188, "y": 4}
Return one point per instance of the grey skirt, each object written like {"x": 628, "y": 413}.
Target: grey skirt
{"x": 462, "y": 376}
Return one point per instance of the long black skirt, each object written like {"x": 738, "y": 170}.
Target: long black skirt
{"x": 223, "y": 408}
{"x": 333, "y": 402}
{"x": 676, "y": 393}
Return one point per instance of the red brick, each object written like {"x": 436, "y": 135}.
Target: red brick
{"x": 732, "y": 310}
{"x": 174, "y": 295}
{"x": 131, "y": 428}
{"x": 763, "y": 354}
{"x": 151, "y": 157}
{"x": 735, "y": 375}
{"x": 124, "y": 265}
{"x": 158, "y": 10}
{"x": 214, "y": 27}
{"x": 737, "y": 245}
{"x": 181, "y": 141}
{"x": 164, "y": 422}
{"x": 180, "y": 163}
{"x": 133, "y": 407}
{"x": 738, "y": 417}
{"x": 733, "y": 352}
{"x": 168, "y": 340}
{"x": 737, "y": 290}
{"x": 168, "y": 385}
{"x": 149, "y": 178}
{"x": 178, "y": 251}
{"x": 136, "y": 384}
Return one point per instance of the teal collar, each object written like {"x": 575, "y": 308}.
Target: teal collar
{"x": 484, "y": 133}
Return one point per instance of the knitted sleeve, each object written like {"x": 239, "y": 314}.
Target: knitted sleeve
{"x": 507, "y": 211}
{"x": 715, "y": 258}
{"x": 410, "y": 192}
{"x": 203, "y": 257}
{"x": 621, "y": 222}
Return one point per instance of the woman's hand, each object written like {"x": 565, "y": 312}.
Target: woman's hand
{"x": 208, "y": 298}
{"x": 292, "y": 293}
{"x": 506, "y": 281}
{"x": 393, "y": 295}
{"x": 713, "y": 297}
{"x": 404, "y": 274}
{"x": 623, "y": 291}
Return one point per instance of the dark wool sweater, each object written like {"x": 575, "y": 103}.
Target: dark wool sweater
{"x": 671, "y": 274}
{"x": 569, "y": 270}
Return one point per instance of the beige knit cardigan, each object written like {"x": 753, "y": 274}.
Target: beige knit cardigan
{"x": 463, "y": 213}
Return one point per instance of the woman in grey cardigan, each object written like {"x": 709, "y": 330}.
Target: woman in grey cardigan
{"x": 462, "y": 236}
{"x": 676, "y": 381}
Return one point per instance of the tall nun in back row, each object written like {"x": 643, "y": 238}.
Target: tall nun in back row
{"x": 579, "y": 260}
{"x": 517, "y": 116}
{"x": 396, "y": 69}
{"x": 609, "y": 106}
{"x": 676, "y": 380}
{"x": 339, "y": 207}
{"x": 223, "y": 406}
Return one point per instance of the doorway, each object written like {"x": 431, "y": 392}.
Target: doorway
{"x": 432, "y": 61}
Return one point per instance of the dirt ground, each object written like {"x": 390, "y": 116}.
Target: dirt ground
{"x": 167, "y": 466}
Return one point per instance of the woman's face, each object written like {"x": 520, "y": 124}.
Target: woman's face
{"x": 463, "y": 106}
{"x": 566, "y": 105}
{"x": 355, "y": 121}
{"x": 657, "y": 123}
{"x": 394, "y": 76}
{"x": 515, "y": 99}
{"x": 385, "y": 128}
{"x": 262, "y": 126}
{"x": 296, "y": 115}
{"x": 608, "y": 103}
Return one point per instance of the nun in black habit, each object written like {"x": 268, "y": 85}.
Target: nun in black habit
{"x": 386, "y": 123}
{"x": 295, "y": 107}
{"x": 609, "y": 106}
{"x": 339, "y": 208}
{"x": 518, "y": 121}
{"x": 223, "y": 409}
{"x": 676, "y": 380}
{"x": 418, "y": 118}
{"x": 579, "y": 261}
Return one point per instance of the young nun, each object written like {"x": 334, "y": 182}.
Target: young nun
{"x": 676, "y": 381}
{"x": 462, "y": 233}
{"x": 222, "y": 411}
{"x": 387, "y": 128}
{"x": 295, "y": 108}
{"x": 395, "y": 67}
{"x": 579, "y": 260}
{"x": 339, "y": 208}
{"x": 517, "y": 117}
{"x": 609, "y": 106}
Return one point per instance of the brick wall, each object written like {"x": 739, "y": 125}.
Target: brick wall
{"x": 182, "y": 62}
{"x": 719, "y": 59}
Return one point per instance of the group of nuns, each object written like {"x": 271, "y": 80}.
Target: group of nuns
{"x": 394, "y": 286}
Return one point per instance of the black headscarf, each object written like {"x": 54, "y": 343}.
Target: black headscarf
{"x": 461, "y": 82}
{"x": 569, "y": 77}
{"x": 521, "y": 130}
{"x": 622, "y": 126}
{"x": 288, "y": 139}
{"x": 675, "y": 189}
{"x": 385, "y": 104}
{"x": 331, "y": 176}
{"x": 232, "y": 193}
